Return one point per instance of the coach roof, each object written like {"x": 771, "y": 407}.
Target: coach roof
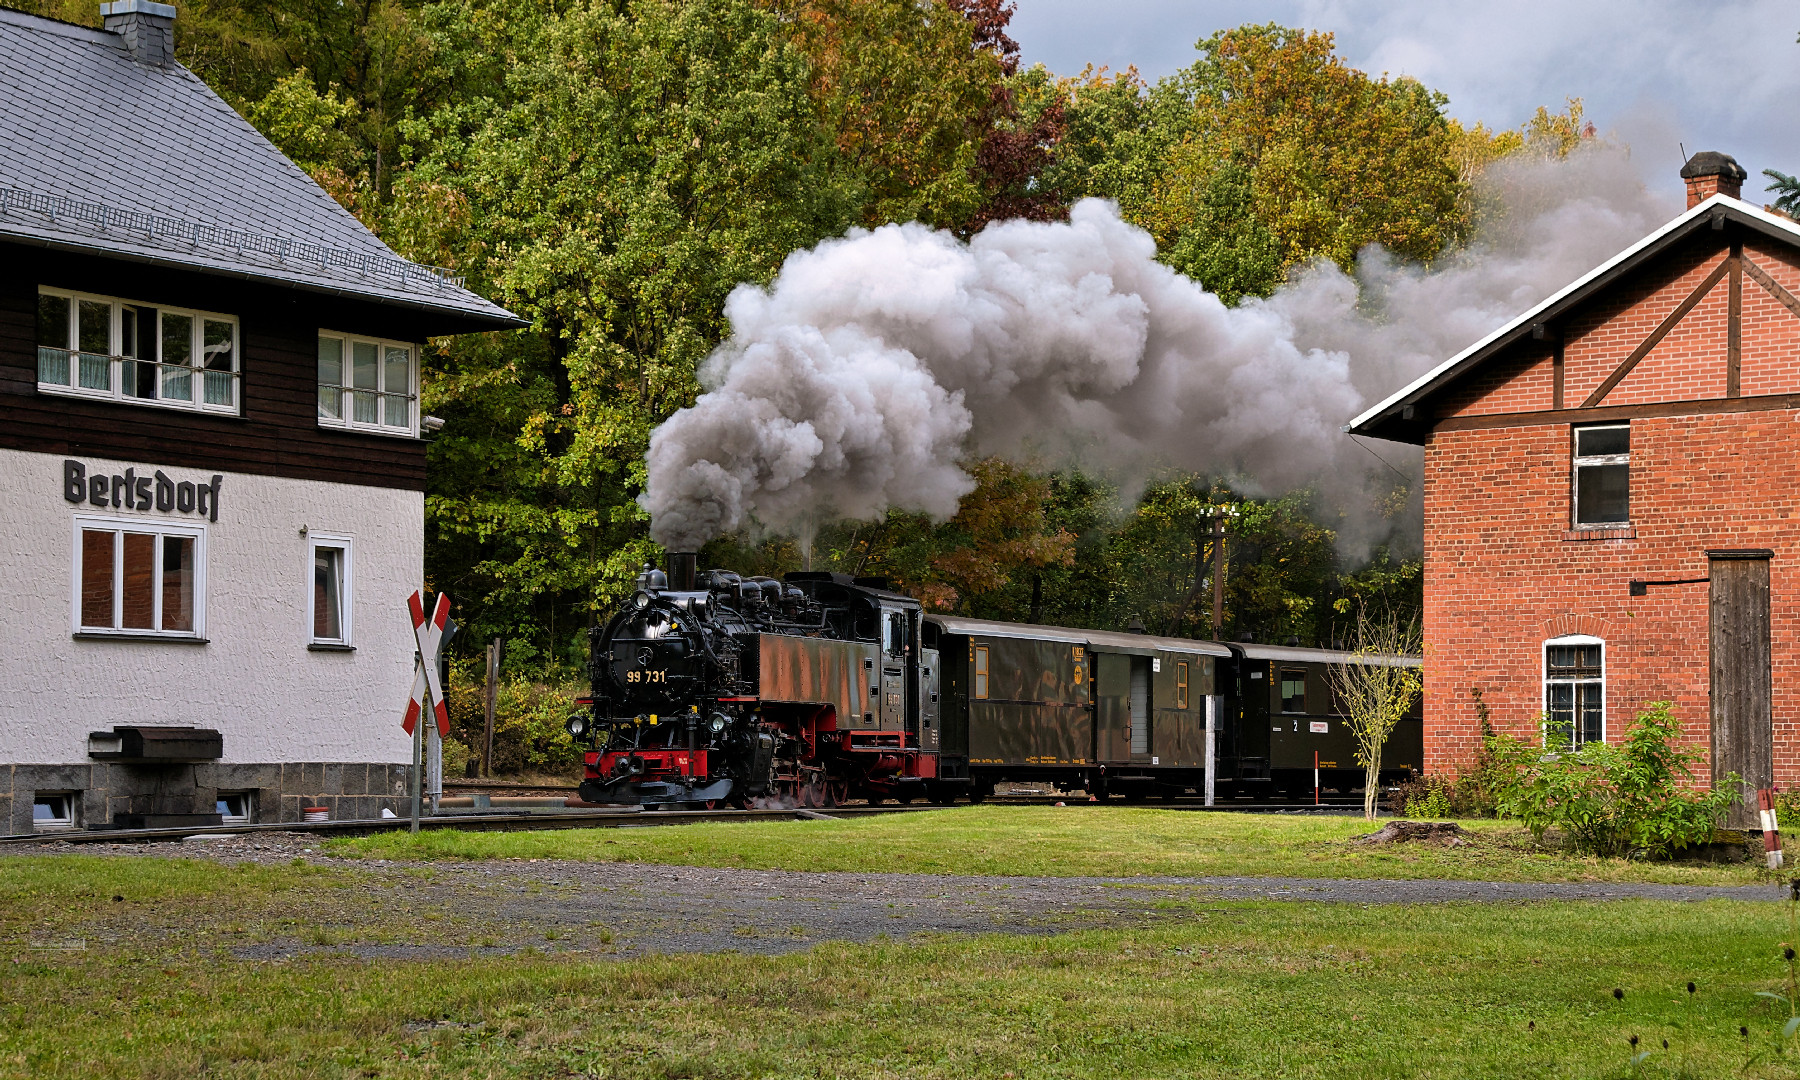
{"x": 103, "y": 153}
{"x": 1103, "y": 640}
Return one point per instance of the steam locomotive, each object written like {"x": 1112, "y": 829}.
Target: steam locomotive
{"x": 714, "y": 689}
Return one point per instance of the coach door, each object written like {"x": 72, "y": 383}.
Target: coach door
{"x": 1112, "y": 706}
{"x": 1140, "y": 708}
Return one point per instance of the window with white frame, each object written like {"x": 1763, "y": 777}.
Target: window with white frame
{"x": 1574, "y": 691}
{"x": 367, "y": 384}
{"x": 53, "y": 810}
{"x": 328, "y": 597}
{"x": 233, "y": 807}
{"x": 122, "y": 350}
{"x": 1603, "y": 475}
{"x": 139, "y": 578}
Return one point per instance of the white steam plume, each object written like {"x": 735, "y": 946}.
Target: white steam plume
{"x": 873, "y": 363}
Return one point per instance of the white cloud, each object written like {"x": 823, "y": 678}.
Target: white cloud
{"x": 1723, "y": 76}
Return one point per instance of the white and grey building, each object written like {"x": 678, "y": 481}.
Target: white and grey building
{"x": 211, "y": 463}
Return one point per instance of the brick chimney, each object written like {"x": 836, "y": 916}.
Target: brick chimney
{"x": 147, "y": 27}
{"x": 1710, "y": 173}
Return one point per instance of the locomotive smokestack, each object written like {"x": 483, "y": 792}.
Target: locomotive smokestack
{"x": 683, "y": 565}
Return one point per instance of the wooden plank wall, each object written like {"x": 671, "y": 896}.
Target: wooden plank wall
{"x": 276, "y": 433}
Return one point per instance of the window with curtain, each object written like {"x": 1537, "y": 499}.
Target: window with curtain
{"x": 139, "y": 578}
{"x": 366, "y": 384}
{"x": 123, "y": 350}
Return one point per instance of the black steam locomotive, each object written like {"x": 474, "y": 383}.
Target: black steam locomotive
{"x": 714, "y": 689}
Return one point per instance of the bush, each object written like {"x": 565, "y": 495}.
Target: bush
{"x": 1624, "y": 799}
{"x": 1473, "y": 792}
{"x": 1425, "y": 797}
{"x": 528, "y": 720}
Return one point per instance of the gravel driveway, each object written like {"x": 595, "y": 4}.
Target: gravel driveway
{"x": 628, "y": 908}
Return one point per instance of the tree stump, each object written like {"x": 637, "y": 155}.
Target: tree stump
{"x": 1442, "y": 833}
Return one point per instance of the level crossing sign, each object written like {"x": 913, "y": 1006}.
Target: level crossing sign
{"x": 431, "y": 635}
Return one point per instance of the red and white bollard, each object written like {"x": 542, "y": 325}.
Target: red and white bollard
{"x": 1315, "y": 778}
{"x": 1771, "y": 829}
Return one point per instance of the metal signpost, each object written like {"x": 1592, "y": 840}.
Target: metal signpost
{"x": 431, "y": 635}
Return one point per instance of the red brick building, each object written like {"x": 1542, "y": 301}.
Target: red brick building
{"x": 1612, "y": 514}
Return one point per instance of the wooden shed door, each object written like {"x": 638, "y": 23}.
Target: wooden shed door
{"x": 1743, "y": 735}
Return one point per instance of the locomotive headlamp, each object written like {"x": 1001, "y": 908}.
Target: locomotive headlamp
{"x": 718, "y": 722}
{"x": 640, "y": 599}
{"x": 577, "y": 723}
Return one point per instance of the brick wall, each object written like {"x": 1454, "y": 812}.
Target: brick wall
{"x": 1503, "y": 569}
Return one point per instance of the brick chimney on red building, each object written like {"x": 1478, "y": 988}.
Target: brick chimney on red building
{"x": 1710, "y": 173}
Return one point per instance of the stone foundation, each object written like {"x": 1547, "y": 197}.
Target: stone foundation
{"x": 277, "y": 792}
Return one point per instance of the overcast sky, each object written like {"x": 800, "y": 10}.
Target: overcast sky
{"x": 1657, "y": 73}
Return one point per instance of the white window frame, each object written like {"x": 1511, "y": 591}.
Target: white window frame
{"x": 1577, "y": 462}
{"x": 67, "y": 821}
{"x": 346, "y": 410}
{"x": 116, "y": 376}
{"x": 249, "y": 805}
{"x": 137, "y": 525}
{"x": 346, "y": 604}
{"x": 1544, "y": 681}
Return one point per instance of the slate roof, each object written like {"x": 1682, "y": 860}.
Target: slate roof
{"x": 100, "y": 153}
{"x": 1390, "y": 419}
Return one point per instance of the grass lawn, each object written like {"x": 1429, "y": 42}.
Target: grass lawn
{"x": 1055, "y": 841}
{"x": 1216, "y": 990}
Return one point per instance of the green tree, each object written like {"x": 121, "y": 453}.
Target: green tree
{"x": 646, "y": 158}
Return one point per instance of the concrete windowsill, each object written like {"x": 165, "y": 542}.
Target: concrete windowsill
{"x": 329, "y": 646}
{"x": 161, "y": 639}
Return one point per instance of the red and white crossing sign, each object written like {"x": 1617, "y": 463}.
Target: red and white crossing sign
{"x": 429, "y": 634}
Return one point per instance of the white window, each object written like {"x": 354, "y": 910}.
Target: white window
{"x": 53, "y": 810}
{"x": 1574, "y": 691}
{"x": 122, "y": 350}
{"x": 234, "y": 807}
{"x": 366, "y": 384}
{"x": 139, "y": 578}
{"x": 328, "y": 589}
{"x": 1603, "y": 475}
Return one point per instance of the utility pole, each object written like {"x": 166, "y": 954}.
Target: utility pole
{"x": 492, "y": 699}
{"x": 1218, "y": 574}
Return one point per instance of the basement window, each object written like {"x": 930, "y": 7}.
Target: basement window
{"x": 1574, "y": 692}
{"x": 233, "y": 807}
{"x": 53, "y": 810}
{"x": 1602, "y": 475}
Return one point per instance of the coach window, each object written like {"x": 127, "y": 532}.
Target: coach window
{"x": 329, "y": 596}
{"x": 139, "y": 578}
{"x": 981, "y": 671}
{"x": 1293, "y": 690}
{"x": 1181, "y": 684}
{"x": 1603, "y": 475}
{"x": 1574, "y": 691}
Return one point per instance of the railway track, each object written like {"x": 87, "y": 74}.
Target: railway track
{"x": 525, "y": 820}
{"x": 501, "y": 821}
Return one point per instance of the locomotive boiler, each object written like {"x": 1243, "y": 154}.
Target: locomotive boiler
{"x": 710, "y": 688}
